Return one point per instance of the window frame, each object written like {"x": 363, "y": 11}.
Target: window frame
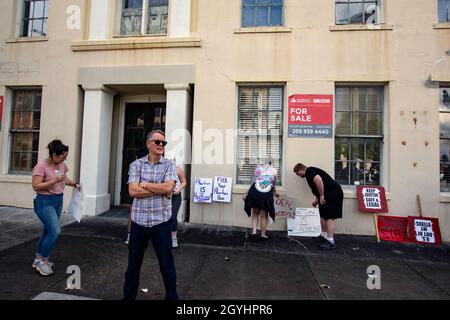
{"x": 144, "y": 20}
{"x": 381, "y": 137}
{"x": 268, "y": 25}
{"x": 13, "y": 91}
{"x": 447, "y": 8}
{"x": 378, "y": 11}
{"x": 238, "y": 156}
{"x": 21, "y": 19}
{"x": 443, "y": 164}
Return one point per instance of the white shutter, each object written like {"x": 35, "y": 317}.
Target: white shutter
{"x": 260, "y": 130}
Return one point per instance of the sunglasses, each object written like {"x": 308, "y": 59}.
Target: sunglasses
{"x": 160, "y": 142}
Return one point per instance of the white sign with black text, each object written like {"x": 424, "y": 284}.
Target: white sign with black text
{"x": 305, "y": 224}
{"x": 203, "y": 190}
{"x": 222, "y": 189}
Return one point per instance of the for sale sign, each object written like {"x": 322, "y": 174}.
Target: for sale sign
{"x": 310, "y": 115}
{"x": 371, "y": 199}
{"x": 424, "y": 230}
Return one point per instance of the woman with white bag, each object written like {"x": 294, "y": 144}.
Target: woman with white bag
{"x": 49, "y": 180}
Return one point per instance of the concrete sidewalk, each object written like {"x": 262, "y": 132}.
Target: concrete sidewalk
{"x": 216, "y": 262}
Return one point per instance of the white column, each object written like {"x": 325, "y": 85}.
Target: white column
{"x": 95, "y": 150}
{"x": 178, "y": 119}
{"x": 100, "y": 19}
{"x": 180, "y": 18}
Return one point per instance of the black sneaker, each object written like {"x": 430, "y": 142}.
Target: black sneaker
{"x": 326, "y": 246}
{"x": 320, "y": 239}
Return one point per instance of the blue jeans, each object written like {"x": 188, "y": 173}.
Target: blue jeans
{"x": 48, "y": 209}
{"x": 162, "y": 244}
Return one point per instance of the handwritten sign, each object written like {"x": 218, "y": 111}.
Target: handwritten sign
{"x": 424, "y": 230}
{"x": 393, "y": 228}
{"x": 203, "y": 190}
{"x": 305, "y": 224}
{"x": 371, "y": 199}
{"x": 285, "y": 207}
{"x": 222, "y": 189}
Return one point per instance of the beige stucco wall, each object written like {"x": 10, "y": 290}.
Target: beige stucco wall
{"x": 306, "y": 56}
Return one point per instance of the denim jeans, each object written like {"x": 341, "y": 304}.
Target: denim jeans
{"x": 48, "y": 209}
{"x": 162, "y": 244}
{"x": 176, "y": 204}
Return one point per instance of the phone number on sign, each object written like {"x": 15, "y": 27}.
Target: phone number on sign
{"x": 310, "y": 131}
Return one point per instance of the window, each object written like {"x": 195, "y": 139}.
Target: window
{"x": 256, "y": 13}
{"x": 444, "y": 135}
{"x": 260, "y": 130}
{"x": 357, "y": 11}
{"x": 444, "y": 10}
{"x": 359, "y": 135}
{"x": 24, "y": 129}
{"x": 140, "y": 17}
{"x": 34, "y": 18}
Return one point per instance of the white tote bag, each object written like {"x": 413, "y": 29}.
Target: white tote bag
{"x": 76, "y": 206}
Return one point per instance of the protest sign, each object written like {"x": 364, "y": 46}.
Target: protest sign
{"x": 305, "y": 224}
{"x": 371, "y": 199}
{"x": 424, "y": 230}
{"x": 393, "y": 228}
{"x": 285, "y": 207}
{"x": 222, "y": 189}
{"x": 203, "y": 190}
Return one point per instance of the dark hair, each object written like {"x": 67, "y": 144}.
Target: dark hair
{"x": 56, "y": 146}
{"x": 151, "y": 133}
{"x": 298, "y": 167}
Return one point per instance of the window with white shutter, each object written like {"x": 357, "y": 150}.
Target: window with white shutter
{"x": 260, "y": 130}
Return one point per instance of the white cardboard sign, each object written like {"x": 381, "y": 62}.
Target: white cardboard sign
{"x": 305, "y": 224}
{"x": 203, "y": 190}
{"x": 222, "y": 189}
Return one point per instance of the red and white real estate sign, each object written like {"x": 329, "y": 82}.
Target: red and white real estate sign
{"x": 310, "y": 115}
{"x": 371, "y": 199}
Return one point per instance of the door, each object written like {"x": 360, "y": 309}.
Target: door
{"x": 140, "y": 119}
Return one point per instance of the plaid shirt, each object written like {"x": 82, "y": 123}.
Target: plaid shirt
{"x": 156, "y": 209}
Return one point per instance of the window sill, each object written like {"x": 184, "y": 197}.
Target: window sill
{"x": 350, "y": 193}
{"x": 441, "y": 25}
{"x": 15, "y": 178}
{"x": 263, "y": 30}
{"x": 26, "y": 39}
{"x": 444, "y": 197}
{"x": 362, "y": 27}
{"x": 136, "y": 43}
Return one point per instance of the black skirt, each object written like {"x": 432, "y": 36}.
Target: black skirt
{"x": 261, "y": 200}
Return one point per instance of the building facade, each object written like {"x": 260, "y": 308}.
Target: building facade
{"x": 217, "y": 77}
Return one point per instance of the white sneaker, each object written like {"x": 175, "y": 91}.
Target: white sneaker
{"x": 174, "y": 242}
{"x": 36, "y": 262}
{"x": 44, "y": 268}
{"x": 128, "y": 239}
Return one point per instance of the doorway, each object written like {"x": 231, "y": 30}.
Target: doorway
{"x": 140, "y": 119}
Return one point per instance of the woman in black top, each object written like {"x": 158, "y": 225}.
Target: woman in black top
{"x": 329, "y": 197}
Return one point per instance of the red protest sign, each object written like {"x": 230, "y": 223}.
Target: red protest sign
{"x": 371, "y": 199}
{"x": 393, "y": 228}
{"x": 424, "y": 230}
